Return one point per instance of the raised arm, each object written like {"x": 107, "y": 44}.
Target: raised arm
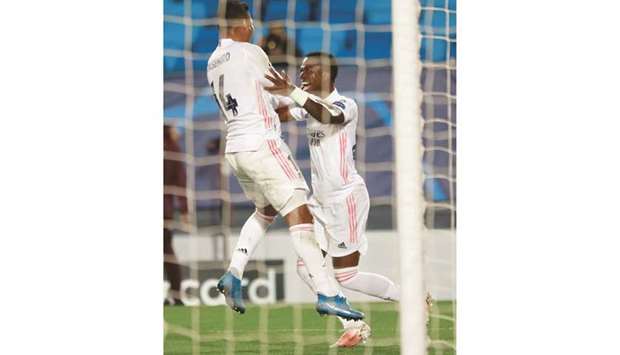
{"x": 320, "y": 110}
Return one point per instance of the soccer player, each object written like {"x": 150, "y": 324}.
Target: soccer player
{"x": 340, "y": 201}
{"x": 262, "y": 161}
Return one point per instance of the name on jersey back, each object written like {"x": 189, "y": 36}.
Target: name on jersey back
{"x": 219, "y": 61}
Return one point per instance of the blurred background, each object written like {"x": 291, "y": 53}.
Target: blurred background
{"x": 211, "y": 206}
{"x": 359, "y": 34}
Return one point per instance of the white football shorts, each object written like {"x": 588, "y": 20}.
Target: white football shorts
{"x": 269, "y": 176}
{"x": 340, "y": 224}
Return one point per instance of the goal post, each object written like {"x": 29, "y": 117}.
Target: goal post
{"x": 408, "y": 173}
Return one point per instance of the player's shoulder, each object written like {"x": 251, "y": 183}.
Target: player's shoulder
{"x": 345, "y": 102}
{"x": 214, "y": 54}
{"x": 252, "y": 48}
{"x": 218, "y": 54}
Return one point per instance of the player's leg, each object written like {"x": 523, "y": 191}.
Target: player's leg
{"x": 279, "y": 179}
{"x": 302, "y": 270}
{"x": 319, "y": 234}
{"x": 252, "y": 232}
{"x": 355, "y": 331}
{"x": 349, "y": 232}
{"x": 348, "y": 276}
{"x": 304, "y": 275}
{"x": 372, "y": 284}
{"x": 172, "y": 268}
{"x": 271, "y": 173}
{"x": 284, "y": 185}
{"x": 301, "y": 228}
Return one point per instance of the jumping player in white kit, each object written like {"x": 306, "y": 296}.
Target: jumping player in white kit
{"x": 340, "y": 201}
{"x": 262, "y": 161}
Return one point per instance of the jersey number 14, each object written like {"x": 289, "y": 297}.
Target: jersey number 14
{"x": 225, "y": 102}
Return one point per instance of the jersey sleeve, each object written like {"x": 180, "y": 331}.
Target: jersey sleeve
{"x": 347, "y": 107}
{"x": 295, "y": 111}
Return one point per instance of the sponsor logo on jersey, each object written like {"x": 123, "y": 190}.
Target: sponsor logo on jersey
{"x": 342, "y": 245}
{"x": 315, "y": 136}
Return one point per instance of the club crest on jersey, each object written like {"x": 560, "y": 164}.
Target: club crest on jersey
{"x": 315, "y": 136}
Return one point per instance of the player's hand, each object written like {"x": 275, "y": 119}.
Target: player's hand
{"x": 281, "y": 83}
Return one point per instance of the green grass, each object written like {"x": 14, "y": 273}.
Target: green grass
{"x": 288, "y": 329}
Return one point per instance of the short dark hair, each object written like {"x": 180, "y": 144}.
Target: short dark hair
{"x": 236, "y": 10}
{"x": 324, "y": 57}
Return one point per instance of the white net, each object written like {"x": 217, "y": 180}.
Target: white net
{"x": 358, "y": 33}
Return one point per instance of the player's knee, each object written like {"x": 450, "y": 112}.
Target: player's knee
{"x": 267, "y": 214}
{"x": 345, "y": 275}
{"x": 347, "y": 261}
{"x": 267, "y": 211}
{"x": 300, "y": 215}
{"x": 296, "y": 210}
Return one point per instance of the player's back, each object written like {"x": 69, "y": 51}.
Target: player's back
{"x": 235, "y": 72}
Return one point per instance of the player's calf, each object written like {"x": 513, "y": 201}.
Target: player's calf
{"x": 368, "y": 283}
{"x": 252, "y": 232}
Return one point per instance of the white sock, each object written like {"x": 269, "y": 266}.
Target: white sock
{"x": 368, "y": 283}
{"x": 304, "y": 275}
{"x": 308, "y": 250}
{"x": 251, "y": 234}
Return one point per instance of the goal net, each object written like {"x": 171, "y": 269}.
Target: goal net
{"x": 280, "y": 316}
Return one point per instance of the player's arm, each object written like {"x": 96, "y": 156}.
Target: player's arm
{"x": 320, "y": 110}
{"x": 284, "y": 114}
{"x": 287, "y": 109}
{"x": 282, "y": 105}
{"x": 323, "y": 111}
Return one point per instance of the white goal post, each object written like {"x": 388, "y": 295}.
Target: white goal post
{"x": 408, "y": 173}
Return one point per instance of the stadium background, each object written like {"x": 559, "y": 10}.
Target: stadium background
{"x": 358, "y": 33}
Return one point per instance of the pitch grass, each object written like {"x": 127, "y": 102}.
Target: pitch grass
{"x": 293, "y": 329}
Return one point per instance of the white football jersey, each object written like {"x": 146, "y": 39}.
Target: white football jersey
{"x": 236, "y": 73}
{"x": 332, "y": 150}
